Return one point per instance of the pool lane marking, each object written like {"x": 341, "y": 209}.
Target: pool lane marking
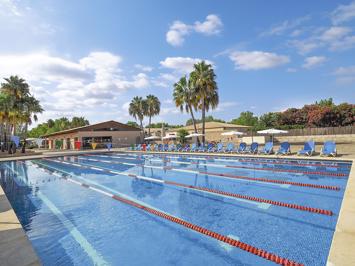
{"x": 252, "y": 168}
{"x": 265, "y": 203}
{"x": 157, "y": 212}
{"x": 263, "y": 161}
{"x": 95, "y": 256}
{"x": 284, "y": 185}
{"x": 259, "y": 203}
{"x": 280, "y": 183}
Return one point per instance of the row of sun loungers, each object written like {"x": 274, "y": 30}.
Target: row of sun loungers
{"x": 328, "y": 149}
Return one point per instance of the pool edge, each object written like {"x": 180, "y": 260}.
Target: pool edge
{"x": 343, "y": 244}
{"x": 15, "y": 247}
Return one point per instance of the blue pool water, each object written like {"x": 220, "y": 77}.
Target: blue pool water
{"x": 69, "y": 224}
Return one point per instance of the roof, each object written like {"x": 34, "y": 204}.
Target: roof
{"x": 96, "y": 127}
{"x": 215, "y": 125}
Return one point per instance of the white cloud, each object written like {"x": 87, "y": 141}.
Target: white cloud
{"x": 285, "y": 26}
{"x": 144, "y": 68}
{"x": 343, "y": 13}
{"x": 334, "y": 38}
{"x": 181, "y": 64}
{"x": 345, "y": 75}
{"x": 179, "y": 30}
{"x": 291, "y": 70}
{"x": 64, "y": 85}
{"x": 211, "y": 26}
{"x": 9, "y": 8}
{"x": 255, "y": 60}
{"x": 313, "y": 61}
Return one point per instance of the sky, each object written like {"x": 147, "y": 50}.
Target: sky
{"x": 90, "y": 58}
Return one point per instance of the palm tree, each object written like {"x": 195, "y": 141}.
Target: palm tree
{"x": 152, "y": 108}
{"x": 205, "y": 86}
{"x": 184, "y": 98}
{"x": 137, "y": 109}
{"x": 5, "y": 115}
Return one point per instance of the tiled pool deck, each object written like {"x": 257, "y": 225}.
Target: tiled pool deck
{"x": 16, "y": 249}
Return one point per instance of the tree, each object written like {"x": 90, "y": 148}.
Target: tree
{"x": 205, "y": 88}
{"x": 152, "y": 108}
{"x": 137, "y": 109}
{"x": 78, "y": 122}
{"x": 21, "y": 107}
{"x": 185, "y": 99}
{"x": 246, "y": 118}
{"x": 132, "y": 124}
{"x": 326, "y": 102}
{"x": 269, "y": 120}
{"x": 181, "y": 134}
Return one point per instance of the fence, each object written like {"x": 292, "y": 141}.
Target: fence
{"x": 321, "y": 131}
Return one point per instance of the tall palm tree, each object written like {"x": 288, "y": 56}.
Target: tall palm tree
{"x": 185, "y": 99}
{"x": 137, "y": 109}
{"x": 6, "y": 112}
{"x": 205, "y": 86}
{"x": 152, "y": 108}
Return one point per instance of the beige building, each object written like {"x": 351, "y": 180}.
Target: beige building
{"x": 213, "y": 130}
{"x": 97, "y": 135}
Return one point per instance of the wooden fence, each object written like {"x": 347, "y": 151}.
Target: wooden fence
{"x": 321, "y": 131}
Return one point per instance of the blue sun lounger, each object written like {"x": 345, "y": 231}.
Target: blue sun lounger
{"x": 268, "y": 149}
{"x": 166, "y": 147}
{"x": 285, "y": 148}
{"x": 329, "y": 149}
{"x": 160, "y": 147}
{"x": 193, "y": 147}
{"x": 149, "y": 147}
{"x": 218, "y": 148}
{"x": 178, "y": 147}
{"x": 253, "y": 149}
{"x": 186, "y": 148}
{"x": 229, "y": 148}
{"x": 210, "y": 147}
{"x": 308, "y": 148}
{"x": 172, "y": 147}
{"x": 242, "y": 147}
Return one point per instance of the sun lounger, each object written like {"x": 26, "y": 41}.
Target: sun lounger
{"x": 149, "y": 147}
{"x": 268, "y": 149}
{"x": 166, "y": 147}
{"x": 285, "y": 148}
{"x": 253, "y": 149}
{"x": 172, "y": 147}
{"x": 308, "y": 148}
{"x": 242, "y": 147}
{"x": 210, "y": 147}
{"x": 230, "y": 147}
{"x": 186, "y": 148}
{"x": 193, "y": 148}
{"x": 218, "y": 148}
{"x": 160, "y": 147}
{"x": 329, "y": 149}
{"x": 178, "y": 147}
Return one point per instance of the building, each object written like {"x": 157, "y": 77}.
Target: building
{"x": 94, "y": 136}
{"x": 213, "y": 130}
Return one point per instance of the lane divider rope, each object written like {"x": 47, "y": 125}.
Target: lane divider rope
{"x": 214, "y": 191}
{"x": 264, "y": 180}
{"x": 236, "y": 243}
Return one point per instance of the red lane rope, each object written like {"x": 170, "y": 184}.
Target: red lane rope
{"x": 287, "y": 170}
{"x": 236, "y": 243}
{"x": 292, "y": 163}
{"x": 266, "y": 180}
{"x": 273, "y": 181}
{"x": 240, "y": 196}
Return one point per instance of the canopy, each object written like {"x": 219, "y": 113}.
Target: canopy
{"x": 170, "y": 136}
{"x": 232, "y": 133}
{"x": 152, "y": 138}
{"x": 272, "y": 131}
{"x": 194, "y": 135}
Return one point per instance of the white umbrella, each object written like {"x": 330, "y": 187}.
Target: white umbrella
{"x": 272, "y": 131}
{"x": 194, "y": 135}
{"x": 152, "y": 138}
{"x": 171, "y": 136}
{"x": 232, "y": 133}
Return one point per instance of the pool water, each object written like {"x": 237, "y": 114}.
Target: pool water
{"x": 135, "y": 209}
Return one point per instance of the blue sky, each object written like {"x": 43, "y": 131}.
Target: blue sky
{"x": 89, "y": 58}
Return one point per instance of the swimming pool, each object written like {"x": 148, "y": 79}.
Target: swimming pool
{"x": 134, "y": 209}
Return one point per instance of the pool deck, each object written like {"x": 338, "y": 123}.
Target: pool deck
{"x": 16, "y": 249}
